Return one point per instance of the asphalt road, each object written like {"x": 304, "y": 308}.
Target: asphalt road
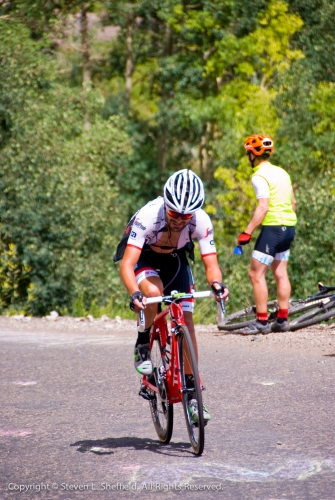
{"x": 73, "y": 426}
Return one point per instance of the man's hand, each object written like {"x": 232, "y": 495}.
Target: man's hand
{"x": 136, "y": 301}
{"x": 244, "y": 239}
{"x": 219, "y": 288}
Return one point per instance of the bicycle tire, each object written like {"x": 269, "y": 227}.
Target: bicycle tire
{"x": 244, "y": 317}
{"x": 160, "y": 408}
{"x": 186, "y": 352}
{"x": 313, "y": 317}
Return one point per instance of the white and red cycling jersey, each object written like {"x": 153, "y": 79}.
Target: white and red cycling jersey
{"x": 150, "y": 221}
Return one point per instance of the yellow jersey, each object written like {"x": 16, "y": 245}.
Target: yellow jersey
{"x": 280, "y": 211}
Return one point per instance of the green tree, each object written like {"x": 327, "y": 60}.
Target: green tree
{"x": 59, "y": 183}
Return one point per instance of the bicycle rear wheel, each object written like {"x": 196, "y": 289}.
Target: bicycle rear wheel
{"x": 196, "y": 431}
{"x": 161, "y": 410}
{"x": 313, "y": 317}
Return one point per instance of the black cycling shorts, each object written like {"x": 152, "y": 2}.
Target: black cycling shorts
{"x": 273, "y": 243}
{"x": 172, "y": 268}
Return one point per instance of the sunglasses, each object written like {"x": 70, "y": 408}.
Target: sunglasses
{"x": 175, "y": 215}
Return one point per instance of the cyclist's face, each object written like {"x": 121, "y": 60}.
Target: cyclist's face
{"x": 176, "y": 224}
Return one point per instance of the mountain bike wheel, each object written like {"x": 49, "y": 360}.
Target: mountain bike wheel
{"x": 313, "y": 317}
{"x": 161, "y": 410}
{"x": 243, "y": 318}
{"x": 196, "y": 431}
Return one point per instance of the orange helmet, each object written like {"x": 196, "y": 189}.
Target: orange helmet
{"x": 259, "y": 144}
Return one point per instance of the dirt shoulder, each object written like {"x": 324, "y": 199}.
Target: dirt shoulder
{"x": 319, "y": 339}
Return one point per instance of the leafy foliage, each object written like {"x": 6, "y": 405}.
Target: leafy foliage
{"x": 175, "y": 85}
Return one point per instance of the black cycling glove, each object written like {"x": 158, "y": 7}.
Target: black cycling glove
{"x": 136, "y": 295}
{"x": 217, "y": 291}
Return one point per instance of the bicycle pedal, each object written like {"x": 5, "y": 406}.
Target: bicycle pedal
{"x": 145, "y": 395}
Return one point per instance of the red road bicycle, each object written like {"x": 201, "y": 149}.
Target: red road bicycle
{"x": 174, "y": 360}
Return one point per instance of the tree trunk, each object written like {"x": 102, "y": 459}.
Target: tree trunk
{"x": 206, "y": 157}
{"x": 163, "y": 139}
{"x": 129, "y": 61}
{"x": 162, "y": 149}
{"x": 86, "y": 74}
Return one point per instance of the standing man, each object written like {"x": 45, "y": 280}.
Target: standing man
{"x": 276, "y": 213}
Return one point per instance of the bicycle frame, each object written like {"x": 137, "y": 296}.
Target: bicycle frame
{"x": 321, "y": 294}
{"x": 160, "y": 328}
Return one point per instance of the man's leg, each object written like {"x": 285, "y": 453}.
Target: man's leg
{"x": 150, "y": 287}
{"x": 279, "y": 270}
{"x": 257, "y": 275}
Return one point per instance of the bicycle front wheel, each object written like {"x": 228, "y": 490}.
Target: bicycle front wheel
{"x": 161, "y": 410}
{"x": 189, "y": 366}
{"x": 313, "y": 317}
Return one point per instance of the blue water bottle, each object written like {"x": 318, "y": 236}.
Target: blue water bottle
{"x": 238, "y": 250}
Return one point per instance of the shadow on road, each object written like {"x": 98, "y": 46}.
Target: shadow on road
{"x": 106, "y": 446}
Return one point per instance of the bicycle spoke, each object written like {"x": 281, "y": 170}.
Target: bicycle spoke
{"x": 161, "y": 410}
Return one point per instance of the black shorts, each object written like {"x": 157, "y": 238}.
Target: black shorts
{"x": 273, "y": 243}
{"x": 172, "y": 268}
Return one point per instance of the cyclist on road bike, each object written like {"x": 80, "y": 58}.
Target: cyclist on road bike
{"x": 276, "y": 212}
{"x": 155, "y": 259}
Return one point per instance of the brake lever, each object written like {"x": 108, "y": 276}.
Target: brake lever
{"x": 221, "y": 310}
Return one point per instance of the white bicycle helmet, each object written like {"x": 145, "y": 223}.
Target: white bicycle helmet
{"x": 184, "y": 192}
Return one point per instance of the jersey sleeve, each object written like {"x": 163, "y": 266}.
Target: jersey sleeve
{"x": 204, "y": 234}
{"x": 140, "y": 228}
{"x": 260, "y": 186}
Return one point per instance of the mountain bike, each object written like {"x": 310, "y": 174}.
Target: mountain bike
{"x": 243, "y": 318}
{"x": 324, "y": 311}
{"x": 175, "y": 377}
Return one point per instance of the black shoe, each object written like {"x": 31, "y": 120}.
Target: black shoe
{"x": 280, "y": 327}
{"x": 256, "y": 327}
